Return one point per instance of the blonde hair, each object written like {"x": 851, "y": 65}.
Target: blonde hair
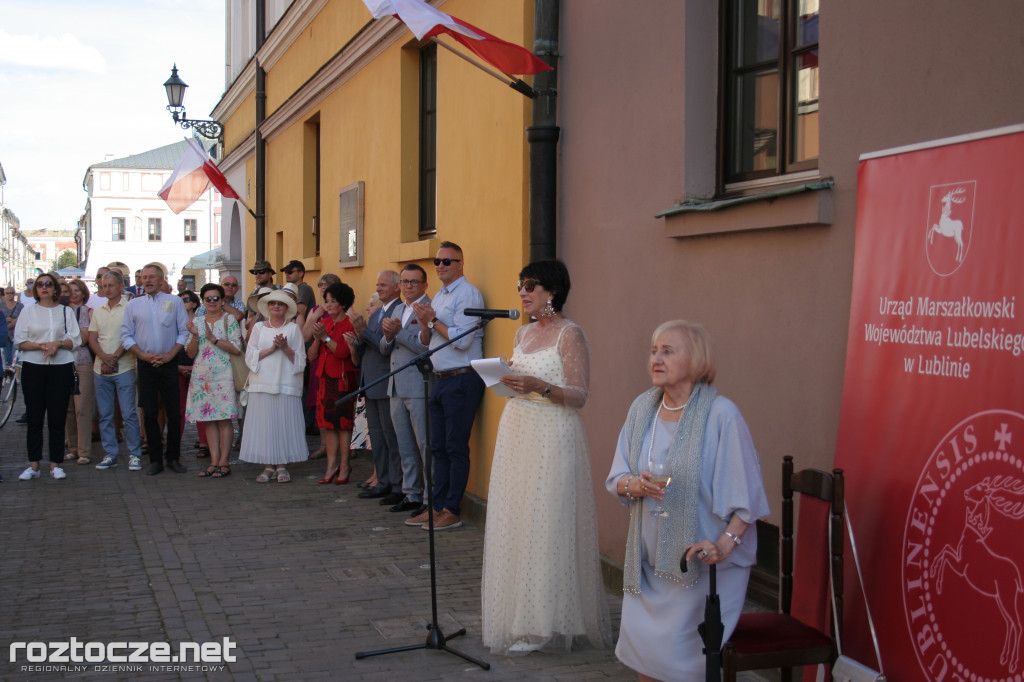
{"x": 697, "y": 343}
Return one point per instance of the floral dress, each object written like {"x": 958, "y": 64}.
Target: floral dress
{"x": 211, "y": 392}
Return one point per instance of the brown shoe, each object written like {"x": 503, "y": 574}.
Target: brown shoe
{"x": 421, "y": 518}
{"x": 444, "y": 520}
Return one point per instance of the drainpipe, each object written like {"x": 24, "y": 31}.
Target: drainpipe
{"x": 261, "y": 148}
{"x": 543, "y": 135}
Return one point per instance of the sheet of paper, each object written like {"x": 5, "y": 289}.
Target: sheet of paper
{"x": 491, "y": 370}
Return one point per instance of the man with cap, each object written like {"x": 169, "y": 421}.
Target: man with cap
{"x": 295, "y": 273}
{"x": 264, "y": 275}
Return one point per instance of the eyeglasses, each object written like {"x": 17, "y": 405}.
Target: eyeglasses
{"x": 529, "y": 284}
{"x": 211, "y": 299}
{"x": 44, "y": 284}
{"x": 446, "y": 261}
{"x": 260, "y": 272}
{"x": 409, "y": 282}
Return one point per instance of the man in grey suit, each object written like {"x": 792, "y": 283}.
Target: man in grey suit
{"x": 373, "y": 365}
{"x": 401, "y": 340}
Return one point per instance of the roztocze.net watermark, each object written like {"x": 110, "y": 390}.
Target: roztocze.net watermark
{"x": 123, "y": 656}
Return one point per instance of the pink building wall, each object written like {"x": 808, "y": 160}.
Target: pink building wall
{"x": 638, "y": 106}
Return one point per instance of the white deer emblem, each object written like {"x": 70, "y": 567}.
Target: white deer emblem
{"x": 948, "y": 227}
{"x": 987, "y": 572}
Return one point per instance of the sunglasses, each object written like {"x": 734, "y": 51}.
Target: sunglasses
{"x": 229, "y": 284}
{"x": 529, "y": 284}
{"x": 409, "y": 282}
{"x": 211, "y": 299}
{"x": 260, "y": 272}
{"x": 446, "y": 261}
{"x": 45, "y": 284}
{"x": 288, "y": 271}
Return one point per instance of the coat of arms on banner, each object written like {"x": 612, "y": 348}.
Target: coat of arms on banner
{"x": 962, "y": 555}
{"x": 950, "y": 223}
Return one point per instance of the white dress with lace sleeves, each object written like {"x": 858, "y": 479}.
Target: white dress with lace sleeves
{"x": 541, "y": 575}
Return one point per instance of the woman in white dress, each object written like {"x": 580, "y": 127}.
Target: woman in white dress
{"x": 713, "y": 495}
{"x": 541, "y": 575}
{"x": 274, "y": 433}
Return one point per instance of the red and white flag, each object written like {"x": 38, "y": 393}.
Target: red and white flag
{"x": 426, "y": 21}
{"x": 192, "y": 177}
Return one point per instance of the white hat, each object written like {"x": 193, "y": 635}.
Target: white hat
{"x": 255, "y": 296}
{"x": 281, "y": 297}
{"x": 292, "y": 288}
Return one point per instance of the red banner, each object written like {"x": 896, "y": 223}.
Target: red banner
{"x": 931, "y": 433}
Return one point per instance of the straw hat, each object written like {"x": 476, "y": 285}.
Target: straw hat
{"x": 280, "y": 296}
{"x": 254, "y": 298}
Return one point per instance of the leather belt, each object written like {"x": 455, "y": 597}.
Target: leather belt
{"x": 452, "y": 372}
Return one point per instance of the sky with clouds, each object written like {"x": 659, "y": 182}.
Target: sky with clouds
{"x": 81, "y": 80}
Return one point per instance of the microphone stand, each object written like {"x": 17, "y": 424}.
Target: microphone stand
{"x": 435, "y": 638}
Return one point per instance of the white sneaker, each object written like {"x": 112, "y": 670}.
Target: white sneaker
{"x": 58, "y": 473}
{"x": 29, "y": 474}
{"x": 107, "y": 463}
{"x": 134, "y": 463}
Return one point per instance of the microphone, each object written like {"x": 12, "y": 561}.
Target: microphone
{"x": 492, "y": 314}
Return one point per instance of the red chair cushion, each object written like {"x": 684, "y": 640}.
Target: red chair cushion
{"x": 760, "y": 632}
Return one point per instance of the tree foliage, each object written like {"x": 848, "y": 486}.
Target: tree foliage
{"x": 67, "y": 258}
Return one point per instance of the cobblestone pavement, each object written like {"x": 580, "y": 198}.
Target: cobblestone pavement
{"x": 300, "y": 576}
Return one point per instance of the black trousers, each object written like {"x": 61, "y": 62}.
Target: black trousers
{"x": 156, "y": 383}
{"x": 47, "y": 390}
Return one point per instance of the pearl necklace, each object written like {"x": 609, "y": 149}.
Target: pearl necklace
{"x": 674, "y": 409}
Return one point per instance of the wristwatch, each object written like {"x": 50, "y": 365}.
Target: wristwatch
{"x": 327, "y": 339}
{"x": 430, "y": 325}
{"x": 547, "y": 391}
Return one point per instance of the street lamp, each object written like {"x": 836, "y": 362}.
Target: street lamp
{"x": 175, "y": 88}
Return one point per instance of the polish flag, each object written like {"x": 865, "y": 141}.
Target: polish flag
{"x": 426, "y": 21}
{"x": 192, "y": 177}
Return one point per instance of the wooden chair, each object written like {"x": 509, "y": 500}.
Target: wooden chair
{"x": 780, "y": 640}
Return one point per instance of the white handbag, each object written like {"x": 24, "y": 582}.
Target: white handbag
{"x": 846, "y": 669}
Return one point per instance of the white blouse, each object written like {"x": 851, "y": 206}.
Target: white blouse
{"x": 40, "y": 324}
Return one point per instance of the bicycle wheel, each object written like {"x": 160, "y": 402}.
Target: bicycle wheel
{"x": 8, "y": 395}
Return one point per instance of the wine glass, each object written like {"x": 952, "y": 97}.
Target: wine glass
{"x": 661, "y": 475}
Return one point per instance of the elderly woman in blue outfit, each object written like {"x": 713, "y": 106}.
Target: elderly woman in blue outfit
{"x": 686, "y": 468}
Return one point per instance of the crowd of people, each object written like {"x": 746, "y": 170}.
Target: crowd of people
{"x": 285, "y": 363}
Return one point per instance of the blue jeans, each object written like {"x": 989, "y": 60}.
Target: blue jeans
{"x": 453, "y": 403}
{"x": 123, "y": 385}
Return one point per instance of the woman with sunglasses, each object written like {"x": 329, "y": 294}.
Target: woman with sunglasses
{"x": 11, "y": 308}
{"x": 47, "y": 335}
{"x": 541, "y": 576}
{"x": 211, "y": 393}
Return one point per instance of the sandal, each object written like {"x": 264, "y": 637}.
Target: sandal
{"x": 283, "y": 476}
{"x": 221, "y": 472}
{"x": 267, "y": 474}
{"x": 210, "y": 471}
{"x": 319, "y": 453}
{"x": 83, "y": 460}
{"x": 203, "y": 453}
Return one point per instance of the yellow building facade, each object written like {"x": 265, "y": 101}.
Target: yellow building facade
{"x": 348, "y": 114}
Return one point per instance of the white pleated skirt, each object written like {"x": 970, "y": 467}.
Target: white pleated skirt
{"x": 275, "y": 430}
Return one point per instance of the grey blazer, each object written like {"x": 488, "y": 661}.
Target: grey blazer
{"x": 403, "y": 348}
